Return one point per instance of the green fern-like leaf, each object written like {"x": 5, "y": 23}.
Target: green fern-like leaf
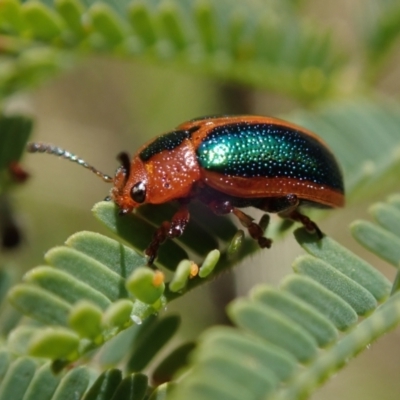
{"x": 111, "y": 385}
{"x": 28, "y": 378}
{"x": 287, "y": 340}
{"x": 249, "y": 44}
{"x": 89, "y": 287}
{"x": 32, "y": 379}
{"x": 289, "y": 336}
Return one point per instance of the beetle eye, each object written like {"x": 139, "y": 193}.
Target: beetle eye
{"x": 138, "y": 192}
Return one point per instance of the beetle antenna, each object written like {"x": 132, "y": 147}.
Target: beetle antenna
{"x": 58, "y": 151}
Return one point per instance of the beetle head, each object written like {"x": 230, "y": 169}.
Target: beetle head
{"x": 130, "y": 184}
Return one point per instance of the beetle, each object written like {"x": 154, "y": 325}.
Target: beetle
{"x": 228, "y": 163}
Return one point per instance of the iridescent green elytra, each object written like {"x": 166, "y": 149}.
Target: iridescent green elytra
{"x": 266, "y": 150}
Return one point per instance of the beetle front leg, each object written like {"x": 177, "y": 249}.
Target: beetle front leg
{"x": 254, "y": 229}
{"x": 168, "y": 230}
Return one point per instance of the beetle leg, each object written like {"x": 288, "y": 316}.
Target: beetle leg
{"x": 311, "y": 226}
{"x": 168, "y": 230}
{"x": 254, "y": 229}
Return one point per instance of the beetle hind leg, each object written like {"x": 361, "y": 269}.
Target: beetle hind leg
{"x": 254, "y": 229}
{"x": 311, "y": 226}
{"x": 168, "y": 230}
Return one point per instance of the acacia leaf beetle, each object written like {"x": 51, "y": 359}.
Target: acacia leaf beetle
{"x": 228, "y": 163}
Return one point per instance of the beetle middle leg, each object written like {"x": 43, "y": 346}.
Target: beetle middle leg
{"x": 254, "y": 229}
{"x": 168, "y": 230}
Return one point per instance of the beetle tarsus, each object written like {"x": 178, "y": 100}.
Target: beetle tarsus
{"x": 264, "y": 242}
{"x": 168, "y": 230}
